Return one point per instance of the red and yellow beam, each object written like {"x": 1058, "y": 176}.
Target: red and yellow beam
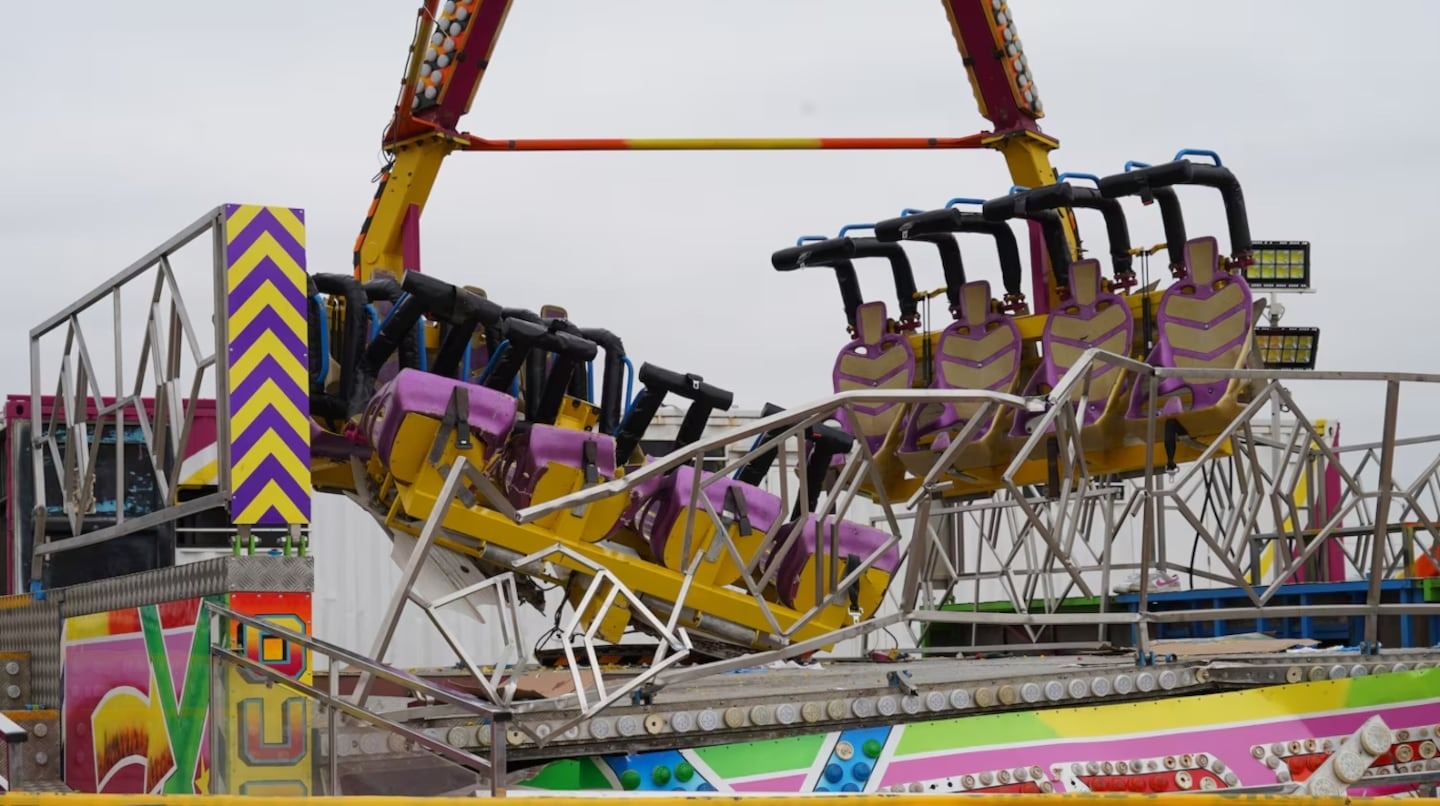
{"x": 471, "y": 143}
{"x": 405, "y": 187}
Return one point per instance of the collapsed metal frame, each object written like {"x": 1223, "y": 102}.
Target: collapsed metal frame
{"x": 168, "y": 337}
{"x": 1047, "y": 532}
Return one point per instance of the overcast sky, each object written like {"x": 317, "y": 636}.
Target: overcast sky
{"x": 124, "y": 122}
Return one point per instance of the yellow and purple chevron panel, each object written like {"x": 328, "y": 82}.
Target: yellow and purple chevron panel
{"x": 267, "y": 355}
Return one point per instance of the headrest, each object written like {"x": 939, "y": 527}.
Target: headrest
{"x": 975, "y": 302}
{"x": 870, "y": 322}
{"x": 1085, "y": 281}
{"x": 1202, "y": 259}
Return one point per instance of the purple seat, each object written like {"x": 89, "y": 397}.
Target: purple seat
{"x": 875, "y": 359}
{"x": 1093, "y": 317}
{"x": 1205, "y": 321}
{"x": 810, "y": 555}
{"x": 981, "y": 349}
{"x": 541, "y": 449}
{"x": 748, "y": 511}
{"x": 404, "y": 417}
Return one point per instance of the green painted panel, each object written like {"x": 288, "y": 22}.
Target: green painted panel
{"x": 762, "y": 758}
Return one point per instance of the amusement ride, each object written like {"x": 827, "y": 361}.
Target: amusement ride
{"x": 964, "y": 488}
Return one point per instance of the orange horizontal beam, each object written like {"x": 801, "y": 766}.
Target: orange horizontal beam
{"x": 467, "y": 142}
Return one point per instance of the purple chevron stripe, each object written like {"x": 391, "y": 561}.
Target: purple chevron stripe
{"x": 268, "y": 319}
{"x": 875, "y": 380}
{"x": 984, "y": 362}
{"x": 270, "y": 469}
{"x": 1201, "y": 324}
{"x": 262, "y": 223}
{"x": 1210, "y": 356}
{"x": 1085, "y": 344}
{"x": 270, "y": 420}
{"x": 268, "y": 370}
{"x": 1124, "y": 323}
{"x": 298, "y": 212}
{"x": 272, "y": 517}
{"x": 267, "y": 271}
{"x": 872, "y": 411}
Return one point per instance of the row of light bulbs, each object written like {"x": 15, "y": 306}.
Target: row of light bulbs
{"x": 440, "y": 51}
{"x": 1017, "y": 66}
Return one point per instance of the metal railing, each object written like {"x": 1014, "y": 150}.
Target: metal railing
{"x": 177, "y": 366}
{"x": 661, "y": 617}
{"x": 1052, "y": 547}
{"x": 225, "y": 656}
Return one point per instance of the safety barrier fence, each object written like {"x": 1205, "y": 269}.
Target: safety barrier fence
{"x": 342, "y": 717}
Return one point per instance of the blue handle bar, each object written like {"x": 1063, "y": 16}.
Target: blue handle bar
{"x": 962, "y": 200}
{"x": 324, "y": 338}
{"x": 1073, "y": 175}
{"x": 1017, "y": 189}
{"x": 374, "y": 321}
{"x": 629, "y": 381}
{"x": 911, "y": 211}
{"x": 494, "y": 359}
{"x": 393, "y": 308}
{"x": 1198, "y": 152}
{"x": 801, "y": 241}
{"x": 849, "y": 227}
{"x": 1131, "y": 165}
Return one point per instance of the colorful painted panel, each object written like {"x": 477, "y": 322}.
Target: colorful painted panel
{"x": 137, "y": 708}
{"x": 267, "y": 355}
{"x": 267, "y": 748}
{"x": 1207, "y": 742}
{"x": 136, "y": 700}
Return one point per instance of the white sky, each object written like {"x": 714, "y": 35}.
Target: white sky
{"x": 126, "y": 121}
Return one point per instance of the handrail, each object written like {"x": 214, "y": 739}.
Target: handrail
{"x": 388, "y": 673}
{"x": 700, "y": 447}
{"x": 1046, "y": 405}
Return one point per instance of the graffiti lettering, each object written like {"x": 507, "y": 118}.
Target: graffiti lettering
{"x": 185, "y": 715}
{"x": 273, "y": 651}
{"x": 269, "y": 745}
{"x": 255, "y": 748}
